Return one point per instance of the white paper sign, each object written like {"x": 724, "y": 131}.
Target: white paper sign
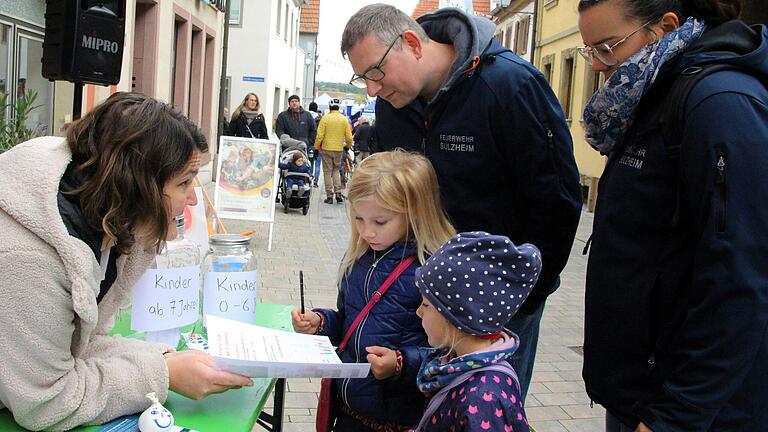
{"x": 231, "y": 295}
{"x": 165, "y": 299}
{"x": 262, "y": 352}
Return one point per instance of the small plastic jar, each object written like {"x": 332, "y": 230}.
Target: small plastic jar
{"x": 230, "y": 278}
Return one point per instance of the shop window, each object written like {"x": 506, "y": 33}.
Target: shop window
{"x": 30, "y": 78}
{"x": 5, "y": 53}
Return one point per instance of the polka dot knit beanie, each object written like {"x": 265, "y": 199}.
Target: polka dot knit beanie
{"x": 477, "y": 281}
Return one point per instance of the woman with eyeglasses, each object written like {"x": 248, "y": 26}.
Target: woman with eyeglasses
{"x": 676, "y": 323}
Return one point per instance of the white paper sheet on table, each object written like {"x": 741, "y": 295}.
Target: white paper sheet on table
{"x": 262, "y": 352}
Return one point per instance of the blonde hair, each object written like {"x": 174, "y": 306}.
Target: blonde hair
{"x": 404, "y": 183}
{"x": 451, "y": 338}
{"x": 236, "y": 114}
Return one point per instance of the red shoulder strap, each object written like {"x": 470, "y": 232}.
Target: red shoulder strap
{"x": 404, "y": 264}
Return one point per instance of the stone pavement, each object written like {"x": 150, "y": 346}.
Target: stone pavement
{"x": 315, "y": 244}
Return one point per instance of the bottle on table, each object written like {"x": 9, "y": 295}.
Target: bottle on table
{"x": 169, "y": 289}
{"x": 230, "y": 278}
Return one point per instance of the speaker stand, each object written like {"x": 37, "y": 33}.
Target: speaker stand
{"x": 77, "y": 104}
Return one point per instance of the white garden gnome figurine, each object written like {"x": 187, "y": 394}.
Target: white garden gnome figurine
{"x": 155, "y": 418}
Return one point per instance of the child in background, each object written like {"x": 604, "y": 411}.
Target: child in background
{"x": 395, "y": 211}
{"x": 472, "y": 286}
{"x": 295, "y": 182}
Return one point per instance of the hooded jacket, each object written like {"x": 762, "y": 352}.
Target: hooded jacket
{"x": 677, "y": 307}
{"x": 59, "y": 368}
{"x": 497, "y": 138}
{"x": 392, "y": 323}
{"x": 298, "y": 125}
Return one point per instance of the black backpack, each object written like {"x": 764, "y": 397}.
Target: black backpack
{"x": 672, "y": 117}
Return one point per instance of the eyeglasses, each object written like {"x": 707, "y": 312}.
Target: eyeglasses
{"x": 375, "y": 73}
{"x": 604, "y": 52}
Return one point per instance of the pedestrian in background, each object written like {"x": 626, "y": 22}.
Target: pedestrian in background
{"x": 83, "y": 217}
{"x": 296, "y": 123}
{"x": 491, "y": 126}
{"x": 395, "y": 213}
{"x": 247, "y": 121}
{"x": 318, "y": 158}
{"x": 333, "y": 135}
{"x": 676, "y": 321}
{"x": 362, "y": 138}
{"x": 225, "y": 120}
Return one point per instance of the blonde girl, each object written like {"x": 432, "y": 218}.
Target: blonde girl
{"x": 247, "y": 121}
{"x": 395, "y": 212}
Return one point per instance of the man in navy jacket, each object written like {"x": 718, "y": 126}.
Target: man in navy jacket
{"x": 489, "y": 123}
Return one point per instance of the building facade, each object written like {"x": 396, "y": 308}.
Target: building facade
{"x": 572, "y": 79}
{"x": 172, "y": 52}
{"x": 514, "y": 25}
{"x": 474, "y": 7}
{"x": 308, "y": 30}
{"x": 264, "y": 56}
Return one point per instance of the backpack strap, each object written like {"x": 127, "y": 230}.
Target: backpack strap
{"x": 672, "y": 118}
{"x": 439, "y": 397}
{"x": 404, "y": 264}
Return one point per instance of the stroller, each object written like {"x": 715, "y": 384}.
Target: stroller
{"x": 291, "y": 198}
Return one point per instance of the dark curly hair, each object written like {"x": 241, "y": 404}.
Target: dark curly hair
{"x": 713, "y": 11}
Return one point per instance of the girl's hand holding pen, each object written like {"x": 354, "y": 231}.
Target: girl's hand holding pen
{"x": 307, "y": 323}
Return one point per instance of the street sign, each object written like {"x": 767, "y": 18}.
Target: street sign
{"x": 253, "y": 78}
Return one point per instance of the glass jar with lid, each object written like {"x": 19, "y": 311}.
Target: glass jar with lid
{"x": 230, "y": 278}
{"x": 166, "y": 301}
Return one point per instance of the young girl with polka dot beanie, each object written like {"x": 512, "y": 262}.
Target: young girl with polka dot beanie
{"x": 471, "y": 287}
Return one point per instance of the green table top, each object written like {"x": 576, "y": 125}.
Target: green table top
{"x": 231, "y": 411}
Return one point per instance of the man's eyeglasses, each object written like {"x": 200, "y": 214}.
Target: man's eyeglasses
{"x": 375, "y": 73}
{"x": 604, "y": 52}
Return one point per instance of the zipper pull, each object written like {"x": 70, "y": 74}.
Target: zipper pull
{"x": 586, "y": 246}
{"x": 549, "y": 136}
{"x": 720, "y": 169}
{"x": 652, "y": 360}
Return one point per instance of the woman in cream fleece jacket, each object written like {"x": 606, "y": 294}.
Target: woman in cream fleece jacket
{"x": 108, "y": 192}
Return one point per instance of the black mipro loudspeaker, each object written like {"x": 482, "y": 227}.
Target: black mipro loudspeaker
{"x": 84, "y": 40}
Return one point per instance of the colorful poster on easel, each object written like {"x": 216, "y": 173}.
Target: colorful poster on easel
{"x": 247, "y": 179}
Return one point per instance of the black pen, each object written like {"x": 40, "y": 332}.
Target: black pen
{"x": 301, "y": 289}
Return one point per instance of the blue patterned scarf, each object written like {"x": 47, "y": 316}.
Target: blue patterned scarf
{"x": 437, "y": 372}
{"x": 611, "y": 110}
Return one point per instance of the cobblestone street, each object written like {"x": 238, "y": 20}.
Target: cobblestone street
{"x": 315, "y": 244}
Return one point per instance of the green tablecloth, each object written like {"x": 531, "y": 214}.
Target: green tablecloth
{"x": 231, "y": 411}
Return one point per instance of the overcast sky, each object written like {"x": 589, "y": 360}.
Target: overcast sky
{"x": 333, "y": 17}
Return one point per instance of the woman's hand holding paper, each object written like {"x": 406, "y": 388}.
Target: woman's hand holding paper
{"x": 191, "y": 374}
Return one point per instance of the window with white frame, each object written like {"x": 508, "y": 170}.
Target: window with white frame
{"x": 235, "y": 12}
{"x": 21, "y": 48}
{"x": 279, "y": 15}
